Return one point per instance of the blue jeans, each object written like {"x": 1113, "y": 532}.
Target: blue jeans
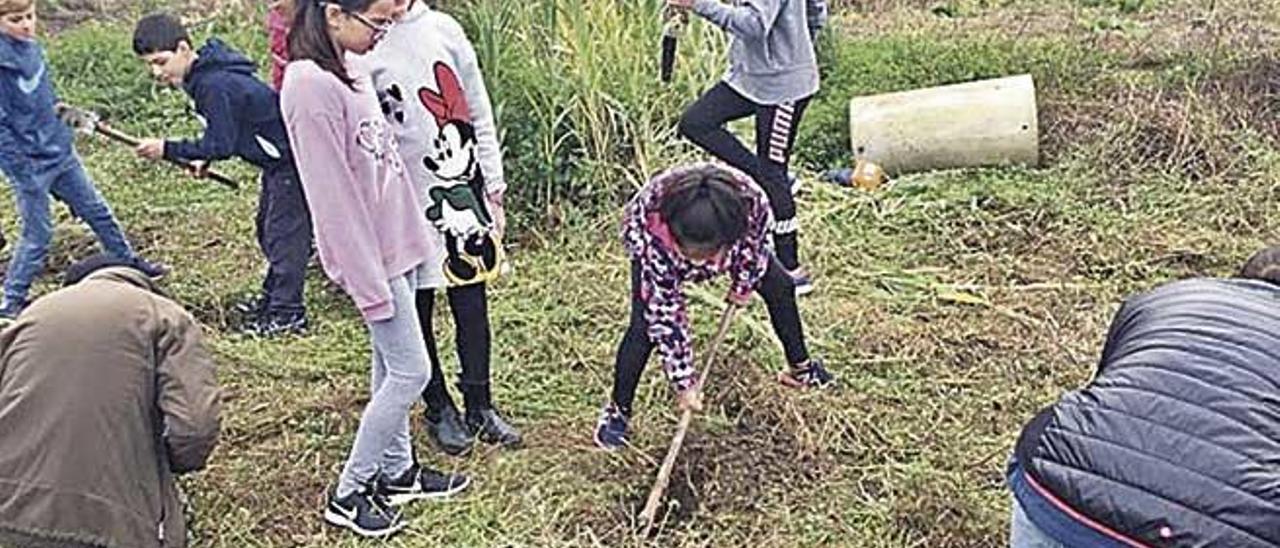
{"x": 1038, "y": 523}
{"x": 400, "y": 372}
{"x": 71, "y": 185}
{"x": 1024, "y": 534}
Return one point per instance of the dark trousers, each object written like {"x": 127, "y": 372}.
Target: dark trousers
{"x": 470, "y": 307}
{"x": 776, "y": 125}
{"x": 778, "y": 291}
{"x": 284, "y": 234}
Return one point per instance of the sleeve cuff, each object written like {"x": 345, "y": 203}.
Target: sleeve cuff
{"x": 741, "y": 296}
{"x": 171, "y": 151}
{"x": 684, "y": 383}
{"x": 378, "y": 312}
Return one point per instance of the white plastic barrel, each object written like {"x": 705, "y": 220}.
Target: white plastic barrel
{"x": 988, "y": 122}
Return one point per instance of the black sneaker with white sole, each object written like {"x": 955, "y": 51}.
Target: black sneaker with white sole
{"x": 419, "y": 483}
{"x": 365, "y": 512}
{"x": 271, "y": 325}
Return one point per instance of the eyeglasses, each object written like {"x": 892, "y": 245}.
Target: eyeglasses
{"x": 380, "y": 29}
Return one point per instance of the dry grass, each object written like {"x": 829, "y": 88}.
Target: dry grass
{"x": 951, "y": 305}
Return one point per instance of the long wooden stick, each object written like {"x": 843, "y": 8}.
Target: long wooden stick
{"x": 669, "y": 463}
{"x": 122, "y": 137}
{"x": 86, "y": 121}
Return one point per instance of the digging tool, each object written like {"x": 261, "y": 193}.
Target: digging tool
{"x": 673, "y": 22}
{"x": 89, "y": 122}
{"x": 669, "y": 463}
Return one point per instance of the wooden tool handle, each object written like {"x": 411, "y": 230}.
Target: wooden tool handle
{"x": 669, "y": 463}
{"x": 132, "y": 141}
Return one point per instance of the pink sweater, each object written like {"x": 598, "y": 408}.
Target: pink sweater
{"x": 368, "y": 222}
{"x": 278, "y": 35}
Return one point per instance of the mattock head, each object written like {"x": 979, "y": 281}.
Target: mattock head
{"x": 78, "y": 119}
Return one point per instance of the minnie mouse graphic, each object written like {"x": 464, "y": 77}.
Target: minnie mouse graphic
{"x": 457, "y": 206}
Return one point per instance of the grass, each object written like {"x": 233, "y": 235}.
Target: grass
{"x": 953, "y": 305}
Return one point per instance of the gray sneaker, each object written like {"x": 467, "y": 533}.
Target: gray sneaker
{"x": 490, "y": 427}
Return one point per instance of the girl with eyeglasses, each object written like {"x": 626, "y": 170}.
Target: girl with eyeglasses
{"x": 372, "y": 239}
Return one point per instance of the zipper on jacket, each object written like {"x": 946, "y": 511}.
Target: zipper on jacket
{"x": 160, "y": 525}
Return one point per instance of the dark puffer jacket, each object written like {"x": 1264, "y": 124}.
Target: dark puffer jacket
{"x": 1176, "y": 442}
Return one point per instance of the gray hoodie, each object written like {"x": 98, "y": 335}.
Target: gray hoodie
{"x": 771, "y": 57}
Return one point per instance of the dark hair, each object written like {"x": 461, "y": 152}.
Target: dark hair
{"x": 309, "y": 36}
{"x": 705, "y": 210}
{"x": 82, "y": 269}
{"x": 158, "y": 32}
{"x": 1263, "y": 265}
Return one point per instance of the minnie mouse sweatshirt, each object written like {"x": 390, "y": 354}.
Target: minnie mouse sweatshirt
{"x": 433, "y": 95}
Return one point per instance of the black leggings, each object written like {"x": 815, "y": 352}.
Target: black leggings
{"x": 776, "y": 125}
{"x": 778, "y": 291}
{"x": 470, "y": 309}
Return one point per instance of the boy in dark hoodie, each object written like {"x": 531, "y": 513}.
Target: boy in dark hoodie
{"x": 38, "y": 157}
{"x": 241, "y": 115}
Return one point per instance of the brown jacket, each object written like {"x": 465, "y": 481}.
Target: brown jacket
{"x": 106, "y": 392}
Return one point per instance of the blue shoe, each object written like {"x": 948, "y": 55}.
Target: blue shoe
{"x": 803, "y": 281}
{"x": 9, "y": 310}
{"x": 839, "y": 177}
{"x": 810, "y": 375}
{"x": 152, "y": 270}
{"x": 611, "y": 431}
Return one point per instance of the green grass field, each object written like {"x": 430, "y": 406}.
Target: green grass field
{"x": 952, "y": 305}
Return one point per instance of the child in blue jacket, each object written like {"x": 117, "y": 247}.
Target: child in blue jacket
{"x": 38, "y": 156}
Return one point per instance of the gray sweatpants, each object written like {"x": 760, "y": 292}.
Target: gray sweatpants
{"x": 400, "y": 372}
